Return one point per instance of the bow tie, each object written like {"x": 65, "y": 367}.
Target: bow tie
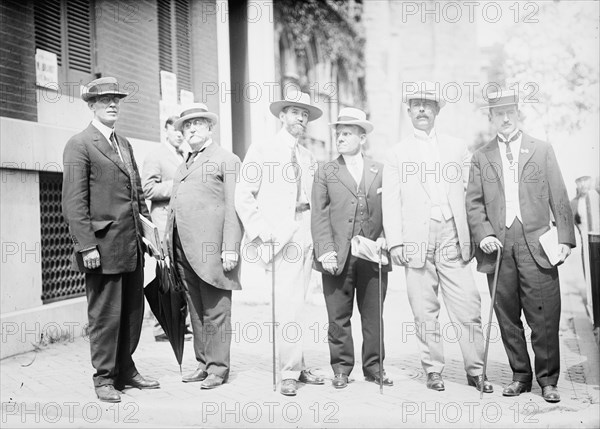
{"x": 512, "y": 139}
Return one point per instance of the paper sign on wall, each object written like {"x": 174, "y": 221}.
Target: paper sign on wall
{"x": 46, "y": 68}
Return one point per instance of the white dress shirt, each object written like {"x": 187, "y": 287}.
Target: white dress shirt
{"x": 432, "y": 175}
{"x": 106, "y": 132}
{"x": 355, "y": 164}
{"x": 510, "y": 174}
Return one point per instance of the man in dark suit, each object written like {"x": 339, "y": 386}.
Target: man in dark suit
{"x": 514, "y": 184}
{"x": 346, "y": 201}
{"x": 102, "y": 202}
{"x": 203, "y": 241}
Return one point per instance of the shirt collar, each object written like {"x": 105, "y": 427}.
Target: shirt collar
{"x": 422, "y": 135}
{"x": 287, "y": 138}
{"x": 353, "y": 159}
{"x": 104, "y": 130}
{"x": 501, "y": 137}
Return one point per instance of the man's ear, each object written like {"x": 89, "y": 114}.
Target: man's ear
{"x": 363, "y": 139}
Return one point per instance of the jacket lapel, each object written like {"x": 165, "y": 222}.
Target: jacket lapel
{"x": 345, "y": 177}
{"x": 370, "y": 171}
{"x": 527, "y": 149}
{"x": 106, "y": 149}
{"x": 414, "y": 155}
{"x": 202, "y": 158}
{"x": 492, "y": 153}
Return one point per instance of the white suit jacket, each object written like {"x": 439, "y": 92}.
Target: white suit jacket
{"x": 406, "y": 196}
{"x": 265, "y": 197}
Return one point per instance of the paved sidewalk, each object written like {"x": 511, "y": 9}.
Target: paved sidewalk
{"x": 52, "y": 387}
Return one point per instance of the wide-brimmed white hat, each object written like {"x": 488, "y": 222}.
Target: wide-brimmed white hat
{"x": 196, "y": 110}
{"x": 298, "y": 99}
{"x": 353, "y": 116}
{"x": 500, "y": 98}
{"x": 102, "y": 86}
{"x": 423, "y": 90}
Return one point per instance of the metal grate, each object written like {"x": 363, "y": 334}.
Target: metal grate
{"x": 58, "y": 280}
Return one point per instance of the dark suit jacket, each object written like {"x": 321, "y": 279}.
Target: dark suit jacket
{"x": 202, "y": 206}
{"x": 334, "y": 207}
{"x": 102, "y": 199}
{"x": 541, "y": 190}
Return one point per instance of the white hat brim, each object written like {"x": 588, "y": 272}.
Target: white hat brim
{"x": 313, "y": 112}
{"x": 213, "y": 117}
{"x": 366, "y": 125}
{"x": 421, "y": 96}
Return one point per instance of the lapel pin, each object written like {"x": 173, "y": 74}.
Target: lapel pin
{"x": 524, "y": 150}
{"x": 374, "y": 170}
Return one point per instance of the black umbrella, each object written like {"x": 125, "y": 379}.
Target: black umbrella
{"x": 166, "y": 297}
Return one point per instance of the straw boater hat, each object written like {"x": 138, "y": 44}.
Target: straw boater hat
{"x": 196, "y": 110}
{"x": 100, "y": 87}
{"x": 425, "y": 90}
{"x": 299, "y": 99}
{"x": 500, "y": 98}
{"x": 352, "y": 116}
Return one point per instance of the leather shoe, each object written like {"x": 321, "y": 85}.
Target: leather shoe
{"x": 550, "y": 394}
{"x": 288, "y": 387}
{"x": 476, "y": 380}
{"x": 198, "y": 375}
{"x": 516, "y": 388}
{"x": 435, "y": 381}
{"x": 107, "y": 393}
{"x": 212, "y": 381}
{"x": 339, "y": 381}
{"x": 161, "y": 338}
{"x": 374, "y": 378}
{"x": 139, "y": 382}
{"x": 308, "y": 377}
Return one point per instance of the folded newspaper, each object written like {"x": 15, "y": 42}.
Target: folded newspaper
{"x": 151, "y": 237}
{"x": 549, "y": 242}
{"x": 364, "y": 248}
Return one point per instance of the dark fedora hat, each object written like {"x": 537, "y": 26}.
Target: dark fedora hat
{"x": 100, "y": 87}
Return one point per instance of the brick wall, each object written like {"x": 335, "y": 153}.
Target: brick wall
{"x": 17, "y": 60}
{"x": 127, "y": 48}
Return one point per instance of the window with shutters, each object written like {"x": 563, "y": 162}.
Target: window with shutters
{"x": 175, "y": 40}
{"x": 64, "y": 27}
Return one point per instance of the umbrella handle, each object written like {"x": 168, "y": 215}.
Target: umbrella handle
{"x": 489, "y": 326}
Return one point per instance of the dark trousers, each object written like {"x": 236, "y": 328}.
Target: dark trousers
{"x": 210, "y": 313}
{"x": 524, "y": 285}
{"x": 358, "y": 276}
{"x": 594, "y": 242}
{"x": 115, "y": 316}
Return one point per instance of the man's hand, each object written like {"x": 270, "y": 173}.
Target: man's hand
{"x": 91, "y": 259}
{"x": 380, "y": 244}
{"x": 230, "y": 260}
{"x": 330, "y": 263}
{"x": 398, "y": 255}
{"x": 564, "y": 252}
{"x": 490, "y": 244}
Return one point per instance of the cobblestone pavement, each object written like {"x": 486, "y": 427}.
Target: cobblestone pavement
{"x": 52, "y": 387}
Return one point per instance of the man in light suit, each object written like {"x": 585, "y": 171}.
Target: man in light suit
{"x": 203, "y": 241}
{"x": 273, "y": 202}
{"x": 514, "y": 184}
{"x": 346, "y": 201}
{"x": 426, "y": 229}
{"x": 157, "y": 175}
{"x": 102, "y": 200}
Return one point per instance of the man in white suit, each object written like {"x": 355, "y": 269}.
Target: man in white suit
{"x": 425, "y": 224}
{"x": 272, "y": 200}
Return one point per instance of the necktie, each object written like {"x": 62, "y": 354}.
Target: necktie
{"x": 297, "y": 174}
{"x": 509, "y": 154}
{"x": 115, "y": 145}
{"x": 192, "y": 156}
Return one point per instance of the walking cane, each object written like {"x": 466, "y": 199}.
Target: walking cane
{"x": 273, "y": 313}
{"x": 489, "y": 326}
{"x": 380, "y": 330}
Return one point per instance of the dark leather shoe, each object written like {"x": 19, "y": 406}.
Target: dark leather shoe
{"x": 212, "y": 381}
{"x": 107, "y": 393}
{"x": 198, "y": 375}
{"x": 476, "y": 380}
{"x": 161, "y": 338}
{"x": 550, "y": 394}
{"x": 309, "y": 378}
{"x": 374, "y": 378}
{"x": 288, "y": 387}
{"x": 435, "y": 381}
{"x": 516, "y": 388}
{"x": 139, "y": 382}
{"x": 339, "y": 381}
